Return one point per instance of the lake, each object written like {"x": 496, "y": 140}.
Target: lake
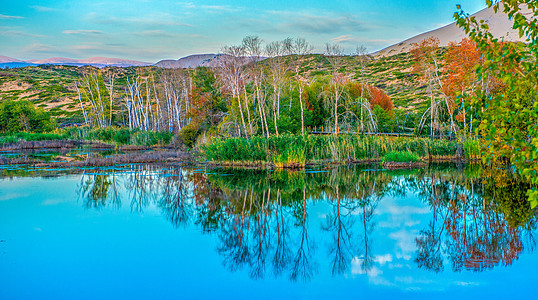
{"x": 348, "y": 232}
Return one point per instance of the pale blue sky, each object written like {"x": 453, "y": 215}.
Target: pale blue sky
{"x": 154, "y": 30}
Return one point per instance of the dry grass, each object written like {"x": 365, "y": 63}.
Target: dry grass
{"x": 130, "y": 158}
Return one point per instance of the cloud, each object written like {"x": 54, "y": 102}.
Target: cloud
{"x": 6, "y": 17}
{"x": 319, "y": 23}
{"x": 166, "y": 34}
{"x": 42, "y": 8}
{"x": 82, "y": 32}
{"x": 20, "y": 33}
{"x": 125, "y": 51}
{"x": 405, "y": 242}
{"x": 342, "y": 38}
{"x": 221, "y": 8}
{"x": 12, "y": 196}
{"x": 42, "y": 48}
{"x": 150, "y": 21}
{"x": 466, "y": 283}
{"x": 383, "y": 259}
{"x": 187, "y": 5}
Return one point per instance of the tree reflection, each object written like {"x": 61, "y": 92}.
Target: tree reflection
{"x": 95, "y": 189}
{"x": 340, "y": 221}
{"x": 478, "y": 230}
{"x": 303, "y": 268}
{"x": 478, "y": 219}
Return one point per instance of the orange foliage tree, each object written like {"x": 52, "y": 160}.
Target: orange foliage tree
{"x": 461, "y": 61}
{"x": 379, "y": 97}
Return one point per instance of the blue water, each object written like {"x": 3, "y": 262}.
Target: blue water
{"x": 150, "y": 236}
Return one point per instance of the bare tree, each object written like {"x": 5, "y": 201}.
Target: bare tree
{"x": 301, "y": 49}
{"x": 278, "y": 67}
{"x": 334, "y": 53}
{"x": 232, "y": 75}
{"x": 253, "y": 50}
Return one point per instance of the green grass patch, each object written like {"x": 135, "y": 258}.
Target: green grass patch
{"x": 401, "y": 156}
{"x": 287, "y": 149}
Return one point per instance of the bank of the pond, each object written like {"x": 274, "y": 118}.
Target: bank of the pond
{"x": 286, "y": 151}
{"x": 293, "y": 151}
{"x": 162, "y": 156}
{"x": 115, "y": 136}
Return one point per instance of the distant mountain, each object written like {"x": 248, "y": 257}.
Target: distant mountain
{"x": 117, "y": 62}
{"x": 191, "y": 61}
{"x": 6, "y": 59}
{"x": 14, "y": 64}
{"x": 54, "y": 61}
{"x": 100, "y": 62}
{"x": 499, "y": 24}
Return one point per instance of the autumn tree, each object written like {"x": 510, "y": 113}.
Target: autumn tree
{"x": 460, "y": 64}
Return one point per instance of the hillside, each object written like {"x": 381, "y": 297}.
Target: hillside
{"x": 499, "y": 23}
{"x": 191, "y": 61}
{"x": 53, "y": 87}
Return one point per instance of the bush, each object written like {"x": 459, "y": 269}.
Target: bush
{"x": 287, "y": 149}
{"x": 21, "y": 115}
{"x": 123, "y": 136}
{"x": 401, "y": 156}
{"x": 188, "y": 135}
{"x": 472, "y": 148}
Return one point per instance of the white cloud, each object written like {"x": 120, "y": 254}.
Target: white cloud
{"x": 42, "y": 8}
{"x": 383, "y": 259}
{"x": 6, "y": 17}
{"x": 12, "y": 196}
{"x": 466, "y": 283}
{"x": 315, "y": 22}
{"x": 220, "y": 8}
{"x": 82, "y": 32}
{"x": 405, "y": 242}
{"x": 163, "y": 33}
{"x": 151, "y": 21}
{"x": 20, "y": 33}
{"x": 42, "y": 48}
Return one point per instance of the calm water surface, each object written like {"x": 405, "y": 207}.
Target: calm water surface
{"x": 350, "y": 232}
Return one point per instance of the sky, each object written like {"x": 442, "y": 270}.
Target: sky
{"x": 154, "y": 30}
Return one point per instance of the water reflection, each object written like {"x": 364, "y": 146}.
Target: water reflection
{"x": 476, "y": 219}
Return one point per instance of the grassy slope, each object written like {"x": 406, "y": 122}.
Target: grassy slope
{"x": 53, "y": 87}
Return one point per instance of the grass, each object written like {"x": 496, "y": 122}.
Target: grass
{"x": 472, "y": 149}
{"x": 401, "y": 156}
{"x": 296, "y": 149}
{"x": 112, "y": 135}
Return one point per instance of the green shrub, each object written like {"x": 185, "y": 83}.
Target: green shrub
{"x": 123, "y": 136}
{"x": 21, "y": 115}
{"x": 297, "y": 148}
{"x": 401, "y": 156}
{"x": 472, "y": 148}
{"x": 188, "y": 135}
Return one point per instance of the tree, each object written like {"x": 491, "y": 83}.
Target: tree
{"x": 21, "y": 115}
{"x": 278, "y": 67}
{"x": 301, "y": 49}
{"x": 362, "y": 59}
{"x": 253, "y": 50}
{"x": 334, "y": 53}
{"x": 232, "y": 76}
{"x": 509, "y": 118}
